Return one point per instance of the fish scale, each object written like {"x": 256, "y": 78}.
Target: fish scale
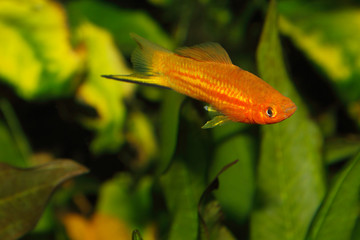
{"x": 201, "y": 84}
{"x": 200, "y": 78}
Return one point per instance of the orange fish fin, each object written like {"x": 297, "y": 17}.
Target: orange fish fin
{"x": 140, "y": 79}
{"x": 143, "y": 56}
{"x": 143, "y": 59}
{"x": 206, "y": 52}
{"x": 216, "y": 121}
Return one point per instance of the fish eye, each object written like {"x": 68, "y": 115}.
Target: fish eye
{"x": 270, "y": 112}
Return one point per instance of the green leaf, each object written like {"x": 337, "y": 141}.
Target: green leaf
{"x": 330, "y": 39}
{"x": 211, "y": 215}
{"x": 25, "y": 192}
{"x": 340, "y": 209}
{"x": 136, "y": 235}
{"x": 127, "y": 200}
{"x": 356, "y": 232}
{"x": 15, "y": 149}
{"x": 140, "y": 134}
{"x": 182, "y": 200}
{"x": 184, "y": 182}
{"x": 120, "y": 22}
{"x": 104, "y": 95}
{"x": 169, "y": 128}
{"x": 37, "y": 59}
{"x": 237, "y": 184}
{"x": 10, "y": 153}
{"x": 338, "y": 149}
{"x": 290, "y": 172}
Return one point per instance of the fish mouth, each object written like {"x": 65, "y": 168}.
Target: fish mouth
{"x": 290, "y": 110}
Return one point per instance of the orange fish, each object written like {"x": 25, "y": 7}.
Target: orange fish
{"x": 205, "y": 72}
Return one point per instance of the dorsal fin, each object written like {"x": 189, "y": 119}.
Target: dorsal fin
{"x": 206, "y": 52}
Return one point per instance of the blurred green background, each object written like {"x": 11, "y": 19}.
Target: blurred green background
{"x": 150, "y": 167}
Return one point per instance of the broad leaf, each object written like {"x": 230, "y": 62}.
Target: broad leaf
{"x": 37, "y": 59}
{"x": 120, "y": 22}
{"x": 237, "y": 184}
{"x": 104, "y": 95}
{"x": 211, "y": 215}
{"x": 329, "y": 38}
{"x": 181, "y": 201}
{"x": 15, "y": 149}
{"x": 340, "y": 209}
{"x": 127, "y": 200}
{"x": 338, "y": 149}
{"x": 356, "y": 232}
{"x": 169, "y": 127}
{"x": 136, "y": 235}
{"x": 290, "y": 173}
{"x": 25, "y": 192}
{"x": 10, "y": 154}
{"x": 184, "y": 181}
{"x": 140, "y": 134}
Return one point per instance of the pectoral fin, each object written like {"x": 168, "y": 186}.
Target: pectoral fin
{"x": 216, "y": 121}
{"x": 210, "y": 109}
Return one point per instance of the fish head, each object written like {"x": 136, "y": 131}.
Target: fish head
{"x": 274, "y": 111}
{"x": 265, "y": 104}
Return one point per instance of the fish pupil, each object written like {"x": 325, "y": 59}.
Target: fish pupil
{"x": 269, "y": 112}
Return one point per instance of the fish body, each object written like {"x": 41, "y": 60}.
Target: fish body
{"x": 205, "y": 72}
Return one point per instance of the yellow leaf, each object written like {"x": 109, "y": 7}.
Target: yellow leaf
{"x": 330, "y": 39}
{"x": 104, "y": 95}
{"x": 141, "y": 136}
{"x": 37, "y": 59}
{"x": 327, "y": 55}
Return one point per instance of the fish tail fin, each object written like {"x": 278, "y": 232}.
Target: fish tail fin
{"x": 146, "y": 55}
{"x": 145, "y": 60}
